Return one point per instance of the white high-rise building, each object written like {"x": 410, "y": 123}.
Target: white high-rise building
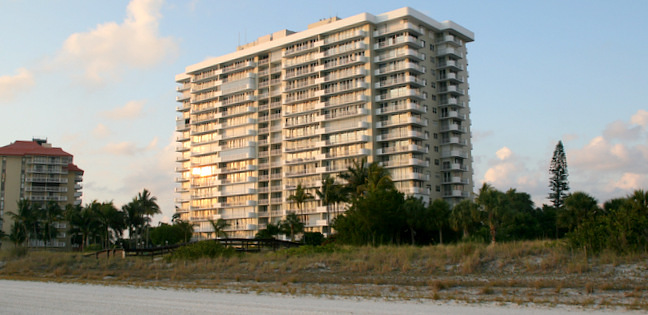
{"x": 291, "y": 107}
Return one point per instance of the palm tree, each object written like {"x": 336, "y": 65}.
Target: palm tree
{"x": 292, "y": 225}
{"x": 133, "y": 219}
{"x": 299, "y": 198}
{"x": 414, "y": 210}
{"x": 111, "y": 221}
{"x": 186, "y": 229}
{"x": 330, "y": 193}
{"x": 83, "y": 222}
{"x": 490, "y": 199}
{"x": 18, "y": 234}
{"x": 148, "y": 206}
{"x": 438, "y": 211}
{"x": 26, "y": 218}
{"x": 462, "y": 217}
{"x": 219, "y": 228}
{"x": 378, "y": 178}
{"x": 355, "y": 176}
{"x": 51, "y": 213}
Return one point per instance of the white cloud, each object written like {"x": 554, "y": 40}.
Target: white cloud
{"x": 509, "y": 170}
{"x": 504, "y": 153}
{"x": 128, "y": 148}
{"x": 640, "y": 118}
{"x": 130, "y": 110}
{"x": 628, "y": 181}
{"x": 10, "y": 86}
{"x": 621, "y": 130}
{"x": 614, "y": 164}
{"x": 101, "y": 131}
{"x": 109, "y": 49}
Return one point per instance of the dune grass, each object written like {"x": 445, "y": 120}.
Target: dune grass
{"x": 539, "y": 272}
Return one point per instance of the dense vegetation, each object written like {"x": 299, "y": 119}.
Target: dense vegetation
{"x": 101, "y": 225}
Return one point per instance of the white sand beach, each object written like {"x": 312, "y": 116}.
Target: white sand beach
{"x": 32, "y": 297}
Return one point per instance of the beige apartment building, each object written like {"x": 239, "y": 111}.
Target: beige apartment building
{"x": 291, "y": 107}
{"x": 36, "y": 171}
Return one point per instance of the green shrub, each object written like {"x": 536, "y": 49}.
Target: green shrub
{"x": 204, "y": 249}
{"x": 17, "y": 252}
{"x": 309, "y": 250}
{"x": 93, "y": 248}
{"x": 313, "y": 238}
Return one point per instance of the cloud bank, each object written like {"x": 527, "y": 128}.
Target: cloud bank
{"x": 111, "y": 48}
{"x": 12, "y": 85}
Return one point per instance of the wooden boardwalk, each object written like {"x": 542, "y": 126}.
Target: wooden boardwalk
{"x": 239, "y": 244}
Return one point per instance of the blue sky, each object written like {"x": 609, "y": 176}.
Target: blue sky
{"x": 97, "y": 79}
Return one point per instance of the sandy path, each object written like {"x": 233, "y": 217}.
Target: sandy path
{"x": 26, "y": 297}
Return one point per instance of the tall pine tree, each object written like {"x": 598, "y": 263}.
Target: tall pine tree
{"x": 558, "y": 182}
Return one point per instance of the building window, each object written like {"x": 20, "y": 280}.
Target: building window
{"x": 438, "y": 188}
{"x": 436, "y": 136}
{"x": 431, "y": 47}
{"x": 436, "y": 149}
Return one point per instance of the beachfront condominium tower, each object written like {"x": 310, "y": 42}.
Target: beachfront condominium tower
{"x": 292, "y": 107}
{"x": 44, "y": 176}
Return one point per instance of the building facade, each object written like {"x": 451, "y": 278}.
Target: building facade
{"x": 37, "y": 172}
{"x": 291, "y": 107}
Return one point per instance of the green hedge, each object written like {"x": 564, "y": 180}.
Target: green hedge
{"x": 203, "y": 249}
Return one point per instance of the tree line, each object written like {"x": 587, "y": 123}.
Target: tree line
{"x": 98, "y": 223}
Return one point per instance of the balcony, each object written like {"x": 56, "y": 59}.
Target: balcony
{"x": 454, "y": 167}
{"x": 45, "y": 179}
{"x": 402, "y": 149}
{"x": 407, "y": 106}
{"x": 450, "y": 39}
{"x": 450, "y": 64}
{"x": 344, "y": 62}
{"x": 456, "y": 180}
{"x": 410, "y": 120}
{"x": 301, "y": 60}
{"x": 405, "y": 162}
{"x": 342, "y": 74}
{"x": 452, "y": 114}
{"x": 453, "y": 153}
{"x": 401, "y": 66}
{"x": 337, "y": 128}
{"x": 346, "y": 49}
{"x": 453, "y": 127}
{"x": 451, "y": 89}
{"x": 412, "y": 80}
{"x": 238, "y": 66}
{"x": 337, "y": 38}
{"x": 303, "y": 48}
{"x": 395, "y": 28}
{"x": 347, "y": 153}
{"x": 450, "y": 76}
{"x": 411, "y": 176}
{"x": 344, "y": 100}
{"x": 402, "y": 135}
{"x": 449, "y": 51}
{"x": 337, "y": 89}
{"x": 400, "y": 53}
{"x": 454, "y": 140}
{"x": 456, "y": 194}
{"x": 401, "y": 40}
